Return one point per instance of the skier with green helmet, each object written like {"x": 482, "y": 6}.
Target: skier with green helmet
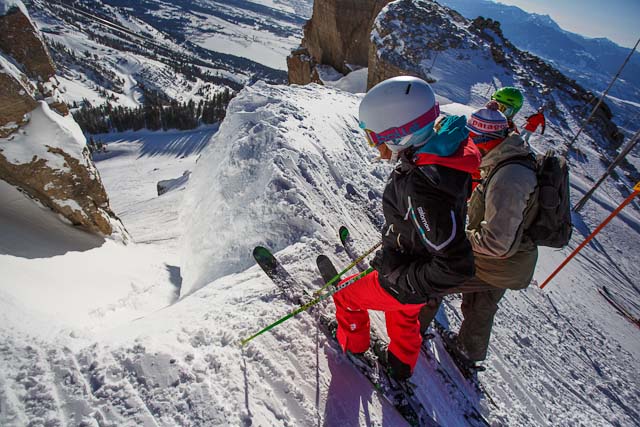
{"x": 510, "y": 101}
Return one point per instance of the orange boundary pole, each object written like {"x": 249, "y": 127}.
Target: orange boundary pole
{"x": 592, "y": 235}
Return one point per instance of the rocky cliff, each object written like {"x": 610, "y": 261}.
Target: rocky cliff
{"x": 23, "y": 47}
{"x": 20, "y": 40}
{"x": 17, "y": 97}
{"x": 42, "y": 149}
{"x": 337, "y": 35}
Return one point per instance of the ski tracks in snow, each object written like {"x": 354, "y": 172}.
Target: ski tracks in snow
{"x": 45, "y": 384}
{"x": 546, "y": 363}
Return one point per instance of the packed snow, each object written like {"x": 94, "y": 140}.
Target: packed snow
{"x": 259, "y": 46}
{"x": 147, "y": 333}
{"x": 354, "y": 82}
{"x": 46, "y": 129}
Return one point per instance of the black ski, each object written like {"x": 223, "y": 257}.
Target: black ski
{"x": 347, "y": 243}
{"x": 467, "y": 368}
{"x": 278, "y": 274}
{"x": 619, "y": 307}
{"x": 473, "y": 415}
{"x": 399, "y": 394}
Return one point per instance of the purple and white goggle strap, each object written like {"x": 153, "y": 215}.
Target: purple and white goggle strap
{"x": 375, "y": 139}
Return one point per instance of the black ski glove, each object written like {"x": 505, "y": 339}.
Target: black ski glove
{"x": 386, "y": 261}
{"x": 378, "y": 261}
{"x": 392, "y": 276}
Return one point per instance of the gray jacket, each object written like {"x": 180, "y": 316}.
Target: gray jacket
{"x": 498, "y": 216}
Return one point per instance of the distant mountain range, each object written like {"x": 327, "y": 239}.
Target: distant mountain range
{"x": 591, "y": 61}
{"x": 182, "y": 50}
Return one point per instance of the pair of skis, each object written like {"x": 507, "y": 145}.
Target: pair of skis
{"x": 467, "y": 370}
{"x": 398, "y": 394}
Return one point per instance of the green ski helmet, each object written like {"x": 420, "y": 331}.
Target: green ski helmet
{"x": 510, "y": 100}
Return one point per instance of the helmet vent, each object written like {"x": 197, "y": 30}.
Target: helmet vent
{"x": 408, "y": 89}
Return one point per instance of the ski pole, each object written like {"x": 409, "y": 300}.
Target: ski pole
{"x": 636, "y": 191}
{"x": 347, "y": 268}
{"x": 307, "y": 305}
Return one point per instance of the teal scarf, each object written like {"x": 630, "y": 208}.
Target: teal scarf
{"x": 447, "y": 141}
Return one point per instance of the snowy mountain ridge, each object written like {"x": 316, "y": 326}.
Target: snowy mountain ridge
{"x": 466, "y": 61}
{"x": 591, "y": 61}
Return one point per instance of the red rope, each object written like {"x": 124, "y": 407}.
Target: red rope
{"x": 592, "y": 235}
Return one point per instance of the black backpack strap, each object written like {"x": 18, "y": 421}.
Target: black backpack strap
{"x": 527, "y": 160}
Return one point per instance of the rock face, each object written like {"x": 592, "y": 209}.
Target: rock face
{"x": 338, "y": 35}
{"x": 49, "y": 161}
{"x": 301, "y": 67}
{"x": 407, "y": 38}
{"x": 20, "y": 40}
{"x": 43, "y": 153}
{"x": 15, "y": 101}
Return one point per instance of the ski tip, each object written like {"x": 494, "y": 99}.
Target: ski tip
{"x": 321, "y": 258}
{"x": 344, "y": 233}
{"x": 263, "y": 255}
{"x": 258, "y": 250}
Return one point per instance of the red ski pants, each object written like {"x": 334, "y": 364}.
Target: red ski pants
{"x": 403, "y": 326}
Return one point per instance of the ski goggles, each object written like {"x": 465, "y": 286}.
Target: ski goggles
{"x": 505, "y": 109}
{"x": 398, "y": 135}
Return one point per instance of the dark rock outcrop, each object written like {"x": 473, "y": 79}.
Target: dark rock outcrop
{"x": 41, "y": 153}
{"x": 77, "y": 194}
{"x": 407, "y": 38}
{"x": 15, "y": 103}
{"x": 338, "y": 35}
{"x": 301, "y": 67}
{"x": 21, "y": 40}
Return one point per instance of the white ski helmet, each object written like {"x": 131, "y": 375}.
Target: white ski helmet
{"x": 399, "y": 112}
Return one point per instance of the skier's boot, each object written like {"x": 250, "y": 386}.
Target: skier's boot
{"x": 459, "y": 354}
{"x": 398, "y": 370}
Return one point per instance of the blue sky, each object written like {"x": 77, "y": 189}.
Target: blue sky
{"x": 617, "y": 20}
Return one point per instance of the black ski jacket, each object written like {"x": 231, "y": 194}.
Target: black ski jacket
{"x": 425, "y": 250}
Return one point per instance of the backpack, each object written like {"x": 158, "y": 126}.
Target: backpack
{"x": 551, "y": 226}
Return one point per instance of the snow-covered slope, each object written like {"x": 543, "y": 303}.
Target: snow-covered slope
{"x": 116, "y": 51}
{"x": 280, "y": 163}
{"x": 544, "y": 341}
{"x": 287, "y": 166}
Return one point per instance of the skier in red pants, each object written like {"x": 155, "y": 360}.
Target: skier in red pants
{"x": 425, "y": 250}
{"x": 533, "y": 121}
